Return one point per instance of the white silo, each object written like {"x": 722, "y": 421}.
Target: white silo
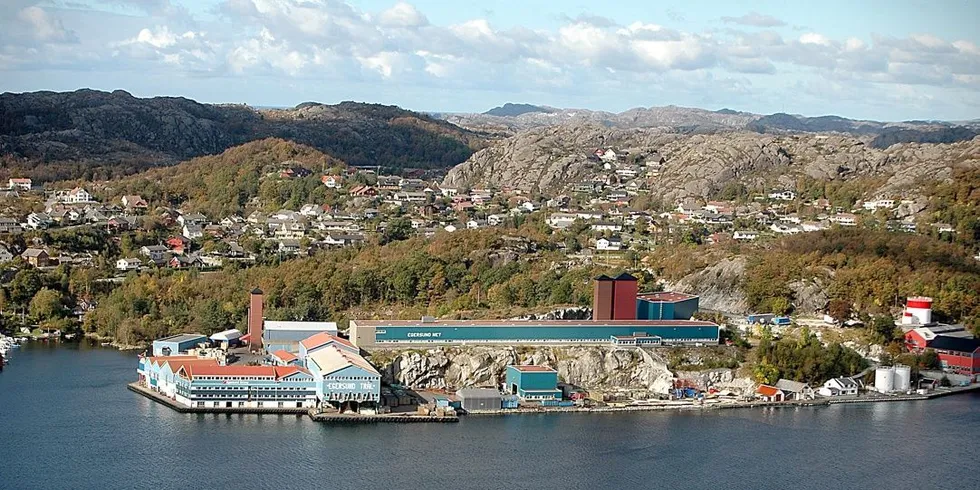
{"x": 918, "y": 311}
{"x": 884, "y": 379}
{"x": 903, "y": 378}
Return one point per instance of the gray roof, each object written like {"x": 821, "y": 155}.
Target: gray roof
{"x": 478, "y": 393}
{"x": 791, "y": 386}
{"x": 184, "y": 337}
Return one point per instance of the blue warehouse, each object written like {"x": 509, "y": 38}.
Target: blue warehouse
{"x": 556, "y": 332}
{"x": 666, "y": 306}
{"x": 177, "y": 344}
{"x": 533, "y": 382}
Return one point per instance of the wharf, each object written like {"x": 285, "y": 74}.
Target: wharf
{"x": 340, "y": 418}
{"x": 330, "y": 418}
{"x": 152, "y": 395}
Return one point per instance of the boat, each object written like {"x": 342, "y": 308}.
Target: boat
{"x": 106, "y": 344}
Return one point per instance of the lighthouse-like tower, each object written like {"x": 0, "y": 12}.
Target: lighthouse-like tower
{"x": 918, "y": 311}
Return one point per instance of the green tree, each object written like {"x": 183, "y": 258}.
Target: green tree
{"x": 46, "y": 305}
{"x": 26, "y": 283}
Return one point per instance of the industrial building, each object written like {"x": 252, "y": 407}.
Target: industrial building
{"x": 343, "y": 377}
{"x": 479, "y": 399}
{"x": 620, "y": 317}
{"x": 533, "y": 383}
{"x": 271, "y": 335}
{"x": 666, "y": 306}
{"x": 177, "y": 344}
{"x": 958, "y": 350}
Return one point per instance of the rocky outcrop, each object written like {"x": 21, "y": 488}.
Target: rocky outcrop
{"x": 722, "y": 379}
{"x": 718, "y": 285}
{"x": 594, "y": 367}
{"x": 550, "y": 160}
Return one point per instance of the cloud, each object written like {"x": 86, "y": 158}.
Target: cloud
{"x": 45, "y": 28}
{"x": 402, "y": 15}
{"x": 754, "y": 19}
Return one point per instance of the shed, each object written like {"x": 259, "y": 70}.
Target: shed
{"x": 177, "y": 344}
{"x": 478, "y": 399}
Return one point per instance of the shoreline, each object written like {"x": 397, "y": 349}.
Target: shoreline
{"x": 392, "y": 418}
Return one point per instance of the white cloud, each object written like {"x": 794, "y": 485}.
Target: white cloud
{"x": 402, "y": 15}
{"x": 755, "y": 19}
{"x": 44, "y": 27}
{"x": 814, "y": 38}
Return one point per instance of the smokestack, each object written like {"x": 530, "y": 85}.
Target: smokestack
{"x": 602, "y": 299}
{"x": 255, "y": 320}
{"x": 624, "y": 297}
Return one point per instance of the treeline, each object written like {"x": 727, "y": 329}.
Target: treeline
{"x": 224, "y": 184}
{"x": 805, "y": 360}
{"x": 451, "y": 275}
{"x": 871, "y": 271}
{"x": 957, "y": 202}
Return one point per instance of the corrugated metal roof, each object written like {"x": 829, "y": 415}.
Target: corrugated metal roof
{"x": 324, "y": 338}
{"x": 303, "y": 326}
{"x": 534, "y": 369}
{"x": 333, "y": 359}
{"x": 478, "y": 393}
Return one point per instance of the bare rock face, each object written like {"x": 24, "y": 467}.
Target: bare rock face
{"x": 590, "y": 367}
{"x": 719, "y": 286}
{"x": 697, "y": 166}
{"x": 810, "y": 296}
{"x": 722, "y": 379}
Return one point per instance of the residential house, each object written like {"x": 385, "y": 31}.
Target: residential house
{"x": 20, "y": 184}
{"x": 770, "y": 393}
{"x": 129, "y": 264}
{"x": 782, "y": 195}
{"x": 342, "y": 240}
{"x": 39, "y": 221}
{"x": 155, "y": 253}
{"x": 495, "y": 219}
{"x": 332, "y": 181}
{"x": 294, "y": 172}
{"x": 179, "y": 244}
{"x": 794, "y": 390}
{"x": 76, "y": 196}
{"x": 362, "y": 191}
{"x": 184, "y": 261}
{"x": 611, "y": 244}
{"x": 839, "y": 387}
{"x": 449, "y": 191}
{"x": 192, "y": 219}
{"x": 879, "y": 204}
{"x": 607, "y": 226}
{"x": 134, "y": 203}
{"x": 476, "y": 223}
{"x": 745, "y": 235}
{"x": 192, "y": 232}
{"x": 560, "y": 221}
{"x": 36, "y": 257}
{"x": 289, "y": 246}
{"x": 5, "y": 255}
{"x": 10, "y": 225}
{"x": 844, "y": 219}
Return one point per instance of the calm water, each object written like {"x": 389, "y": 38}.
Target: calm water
{"x": 67, "y": 421}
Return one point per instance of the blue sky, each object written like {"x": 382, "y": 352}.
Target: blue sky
{"x": 869, "y": 59}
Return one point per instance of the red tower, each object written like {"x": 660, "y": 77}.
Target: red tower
{"x": 624, "y": 297}
{"x": 255, "y": 320}
{"x": 602, "y": 300}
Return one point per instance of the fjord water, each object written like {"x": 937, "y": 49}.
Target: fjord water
{"x": 68, "y": 421}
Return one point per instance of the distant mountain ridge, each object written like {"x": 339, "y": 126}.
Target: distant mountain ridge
{"x": 513, "y": 110}
{"x": 89, "y": 133}
{"x": 694, "y": 120}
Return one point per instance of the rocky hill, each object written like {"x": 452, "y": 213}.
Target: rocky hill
{"x": 513, "y": 110}
{"x": 49, "y": 135}
{"x": 551, "y": 159}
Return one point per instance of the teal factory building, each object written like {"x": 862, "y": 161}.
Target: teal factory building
{"x": 666, "y": 306}
{"x": 533, "y": 382}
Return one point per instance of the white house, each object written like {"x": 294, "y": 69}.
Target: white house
{"x": 154, "y": 252}
{"x": 844, "y": 219}
{"x": 38, "y": 221}
{"x": 332, "y": 181}
{"x": 611, "y": 244}
{"x": 192, "y": 231}
{"x": 77, "y": 195}
{"x": 22, "y": 184}
{"x": 794, "y": 390}
{"x": 746, "y": 235}
{"x": 530, "y": 207}
{"x": 879, "y": 204}
{"x": 782, "y": 195}
{"x": 607, "y": 226}
{"x": 839, "y": 387}
{"x": 495, "y": 219}
{"x": 5, "y": 255}
{"x": 450, "y": 228}
{"x": 129, "y": 264}
{"x": 560, "y": 221}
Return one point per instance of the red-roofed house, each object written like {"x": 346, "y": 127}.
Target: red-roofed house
{"x": 324, "y": 339}
{"x": 284, "y": 358}
{"x": 770, "y": 393}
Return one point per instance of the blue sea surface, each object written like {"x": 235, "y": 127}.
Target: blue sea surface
{"x": 67, "y": 421}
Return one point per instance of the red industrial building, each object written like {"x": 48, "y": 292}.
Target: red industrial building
{"x": 957, "y": 354}
{"x": 615, "y": 298}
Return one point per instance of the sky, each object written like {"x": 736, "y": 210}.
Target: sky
{"x": 869, "y": 59}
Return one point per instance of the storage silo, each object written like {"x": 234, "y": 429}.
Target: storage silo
{"x": 903, "y": 378}
{"x": 885, "y": 379}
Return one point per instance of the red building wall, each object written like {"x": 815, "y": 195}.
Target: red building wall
{"x": 624, "y": 297}
{"x": 255, "y": 320}
{"x": 602, "y": 300}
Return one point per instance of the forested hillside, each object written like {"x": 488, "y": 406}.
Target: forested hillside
{"x": 97, "y": 135}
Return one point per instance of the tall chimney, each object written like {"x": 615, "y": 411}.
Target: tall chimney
{"x": 602, "y": 299}
{"x": 624, "y": 297}
{"x": 255, "y": 320}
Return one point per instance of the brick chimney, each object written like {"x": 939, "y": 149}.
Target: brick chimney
{"x": 255, "y": 320}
